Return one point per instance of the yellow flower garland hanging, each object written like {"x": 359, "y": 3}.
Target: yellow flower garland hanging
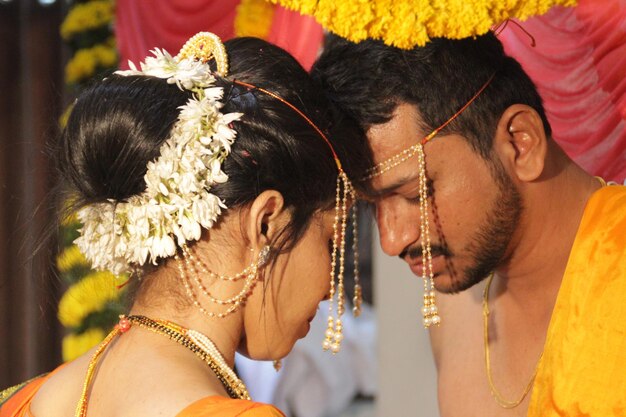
{"x": 409, "y": 23}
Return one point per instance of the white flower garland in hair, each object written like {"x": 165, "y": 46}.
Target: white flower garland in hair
{"x": 176, "y": 203}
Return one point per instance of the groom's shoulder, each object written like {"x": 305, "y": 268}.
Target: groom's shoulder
{"x": 461, "y": 323}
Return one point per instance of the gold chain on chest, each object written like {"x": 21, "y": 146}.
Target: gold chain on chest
{"x": 502, "y": 402}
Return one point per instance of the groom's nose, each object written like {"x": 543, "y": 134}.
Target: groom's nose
{"x": 398, "y": 226}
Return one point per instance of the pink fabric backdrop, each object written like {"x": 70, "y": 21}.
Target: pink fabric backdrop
{"x": 579, "y": 66}
{"x": 142, "y": 25}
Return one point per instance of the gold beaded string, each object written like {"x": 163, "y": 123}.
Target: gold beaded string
{"x": 81, "y": 408}
{"x": 330, "y": 330}
{"x": 205, "y": 270}
{"x": 358, "y": 294}
{"x": 429, "y": 308}
{"x": 338, "y": 336}
{"x": 234, "y": 302}
{"x": 502, "y": 402}
{"x": 250, "y": 280}
{"x": 334, "y": 332}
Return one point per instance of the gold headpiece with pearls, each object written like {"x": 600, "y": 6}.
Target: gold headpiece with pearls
{"x": 203, "y": 47}
{"x": 429, "y": 310}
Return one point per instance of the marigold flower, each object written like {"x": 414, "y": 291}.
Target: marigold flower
{"x": 74, "y": 345}
{"x": 254, "y": 18}
{"x": 409, "y": 23}
{"x": 87, "y": 16}
{"x": 87, "y": 296}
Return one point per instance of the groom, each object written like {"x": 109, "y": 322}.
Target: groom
{"x": 525, "y": 246}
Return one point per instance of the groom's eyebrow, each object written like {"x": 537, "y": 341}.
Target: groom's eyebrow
{"x": 374, "y": 193}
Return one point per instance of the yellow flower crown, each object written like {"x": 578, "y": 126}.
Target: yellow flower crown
{"x": 409, "y": 23}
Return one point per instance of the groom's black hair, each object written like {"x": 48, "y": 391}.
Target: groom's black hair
{"x": 367, "y": 80}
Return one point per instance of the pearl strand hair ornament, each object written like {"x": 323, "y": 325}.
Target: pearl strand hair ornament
{"x": 191, "y": 265}
{"x": 344, "y": 192}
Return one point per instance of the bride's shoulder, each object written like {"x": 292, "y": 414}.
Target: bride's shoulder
{"x": 215, "y": 406}
{"x": 59, "y": 393}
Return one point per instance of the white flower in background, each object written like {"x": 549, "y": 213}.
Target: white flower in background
{"x": 177, "y": 202}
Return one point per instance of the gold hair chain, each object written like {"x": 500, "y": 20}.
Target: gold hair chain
{"x": 430, "y": 312}
{"x": 196, "y": 266}
{"x": 206, "y": 46}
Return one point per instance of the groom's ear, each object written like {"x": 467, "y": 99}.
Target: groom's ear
{"x": 521, "y": 142}
{"x": 266, "y": 217}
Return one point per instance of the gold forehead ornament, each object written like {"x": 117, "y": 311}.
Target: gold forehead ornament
{"x": 430, "y": 312}
{"x": 411, "y": 151}
{"x": 205, "y": 46}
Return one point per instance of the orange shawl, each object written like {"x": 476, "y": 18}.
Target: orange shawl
{"x": 583, "y": 369}
{"x": 225, "y": 407}
{"x": 15, "y": 402}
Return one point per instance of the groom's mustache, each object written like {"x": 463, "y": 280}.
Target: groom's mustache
{"x": 416, "y": 252}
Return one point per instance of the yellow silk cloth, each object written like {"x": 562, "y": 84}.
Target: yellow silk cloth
{"x": 583, "y": 369}
{"x": 16, "y": 403}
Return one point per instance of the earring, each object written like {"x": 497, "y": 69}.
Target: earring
{"x": 194, "y": 265}
{"x": 277, "y": 365}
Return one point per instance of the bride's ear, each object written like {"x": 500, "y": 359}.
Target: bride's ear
{"x": 266, "y": 218}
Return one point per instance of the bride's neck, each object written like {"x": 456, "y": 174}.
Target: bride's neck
{"x": 164, "y": 297}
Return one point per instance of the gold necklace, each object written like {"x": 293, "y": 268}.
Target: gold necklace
{"x": 502, "y": 402}
{"x": 233, "y": 385}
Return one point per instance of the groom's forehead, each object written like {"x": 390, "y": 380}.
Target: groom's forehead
{"x": 392, "y": 137}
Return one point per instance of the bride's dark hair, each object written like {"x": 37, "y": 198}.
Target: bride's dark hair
{"x": 118, "y": 125}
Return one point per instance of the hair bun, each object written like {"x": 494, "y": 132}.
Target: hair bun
{"x": 106, "y": 147}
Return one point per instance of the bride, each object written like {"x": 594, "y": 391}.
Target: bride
{"x": 213, "y": 179}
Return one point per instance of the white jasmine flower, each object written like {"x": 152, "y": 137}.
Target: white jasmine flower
{"x": 177, "y": 202}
